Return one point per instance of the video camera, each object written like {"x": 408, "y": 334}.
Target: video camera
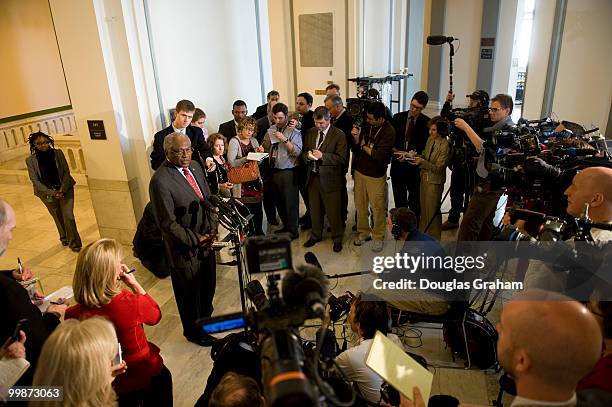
{"x": 289, "y": 378}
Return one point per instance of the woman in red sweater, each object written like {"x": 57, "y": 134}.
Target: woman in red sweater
{"x": 98, "y": 292}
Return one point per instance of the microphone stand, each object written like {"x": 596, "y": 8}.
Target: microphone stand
{"x": 235, "y": 223}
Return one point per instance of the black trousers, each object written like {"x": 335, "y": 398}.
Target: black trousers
{"x": 157, "y": 393}
{"x": 463, "y": 178}
{"x": 194, "y": 289}
{"x": 268, "y": 199}
{"x": 257, "y": 220}
{"x": 285, "y": 184}
{"x": 302, "y": 171}
{"x": 477, "y": 223}
{"x": 406, "y": 185}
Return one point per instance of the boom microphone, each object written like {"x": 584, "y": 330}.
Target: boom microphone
{"x": 439, "y": 39}
{"x": 306, "y": 285}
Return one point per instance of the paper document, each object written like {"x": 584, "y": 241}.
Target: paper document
{"x": 257, "y": 156}
{"x": 64, "y": 293}
{"x": 397, "y": 367}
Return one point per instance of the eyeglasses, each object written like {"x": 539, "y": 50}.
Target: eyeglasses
{"x": 495, "y": 109}
{"x": 183, "y": 151}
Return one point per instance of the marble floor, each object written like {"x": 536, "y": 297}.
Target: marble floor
{"x": 36, "y": 243}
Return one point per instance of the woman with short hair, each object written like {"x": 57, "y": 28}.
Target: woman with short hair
{"x": 199, "y": 120}
{"x": 433, "y": 162}
{"x": 53, "y": 184}
{"x": 98, "y": 292}
{"x": 249, "y": 193}
{"x": 79, "y": 357}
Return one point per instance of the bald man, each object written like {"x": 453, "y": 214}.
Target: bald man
{"x": 591, "y": 186}
{"x": 15, "y": 303}
{"x": 547, "y": 342}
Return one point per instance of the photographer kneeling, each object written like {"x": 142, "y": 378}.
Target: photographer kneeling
{"x": 365, "y": 318}
{"x": 477, "y": 222}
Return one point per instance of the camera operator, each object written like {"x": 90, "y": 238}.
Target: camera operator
{"x": 592, "y": 186}
{"x": 463, "y": 175}
{"x": 365, "y": 318}
{"x": 477, "y": 221}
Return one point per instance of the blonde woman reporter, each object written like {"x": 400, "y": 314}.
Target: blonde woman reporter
{"x": 98, "y": 292}
{"x": 80, "y": 358}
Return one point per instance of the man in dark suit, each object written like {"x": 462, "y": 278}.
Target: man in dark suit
{"x": 15, "y": 303}
{"x": 239, "y": 111}
{"x": 181, "y": 124}
{"x": 303, "y": 105}
{"x": 411, "y": 134}
{"x": 262, "y": 111}
{"x": 343, "y": 121}
{"x": 269, "y": 203}
{"x": 179, "y": 195}
{"x": 325, "y": 154}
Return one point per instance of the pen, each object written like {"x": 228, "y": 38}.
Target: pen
{"x": 131, "y": 271}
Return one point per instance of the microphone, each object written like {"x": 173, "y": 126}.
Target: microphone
{"x": 256, "y": 294}
{"x": 306, "y": 285}
{"x": 311, "y": 258}
{"x": 439, "y": 39}
{"x": 227, "y": 211}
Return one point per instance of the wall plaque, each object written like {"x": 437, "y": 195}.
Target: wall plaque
{"x": 96, "y": 129}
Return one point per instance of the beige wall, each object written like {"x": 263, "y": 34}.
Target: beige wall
{"x": 463, "y": 20}
{"x": 584, "y": 85}
{"x": 31, "y": 70}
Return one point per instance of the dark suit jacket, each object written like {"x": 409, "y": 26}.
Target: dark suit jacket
{"x": 15, "y": 304}
{"x": 419, "y": 136}
{"x": 263, "y": 124}
{"x": 345, "y": 123}
{"x": 199, "y": 144}
{"x": 261, "y": 111}
{"x": 331, "y": 165}
{"x": 307, "y": 123}
{"x": 417, "y": 142}
{"x": 228, "y": 129}
{"x": 181, "y": 216}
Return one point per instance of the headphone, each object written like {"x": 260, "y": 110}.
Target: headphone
{"x": 400, "y": 222}
{"x": 396, "y": 228}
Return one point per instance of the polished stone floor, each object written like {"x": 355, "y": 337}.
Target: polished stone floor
{"x": 36, "y": 243}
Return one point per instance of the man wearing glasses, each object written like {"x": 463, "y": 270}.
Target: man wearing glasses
{"x": 477, "y": 221}
{"x": 179, "y": 195}
{"x": 411, "y": 133}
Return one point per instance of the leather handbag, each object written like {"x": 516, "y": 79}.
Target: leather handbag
{"x": 245, "y": 173}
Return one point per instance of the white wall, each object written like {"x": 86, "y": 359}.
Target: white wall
{"x": 464, "y": 21}
{"x": 538, "y": 58}
{"x": 375, "y": 37}
{"x": 279, "y": 18}
{"x": 504, "y": 46}
{"x": 584, "y": 85}
{"x": 31, "y": 76}
{"x": 206, "y": 51}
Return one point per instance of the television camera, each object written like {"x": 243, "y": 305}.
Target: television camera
{"x": 290, "y": 378}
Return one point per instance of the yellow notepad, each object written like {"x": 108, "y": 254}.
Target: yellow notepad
{"x": 397, "y": 368}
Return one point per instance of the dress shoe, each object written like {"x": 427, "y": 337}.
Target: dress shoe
{"x": 304, "y": 219}
{"x": 75, "y": 249}
{"x": 64, "y": 243}
{"x": 337, "y": 247}
{"x": 311, "y": 242}
{"x": 203, "y": 340}
{"x": 360, "y": 242}
{"x": 448, "y": 225}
